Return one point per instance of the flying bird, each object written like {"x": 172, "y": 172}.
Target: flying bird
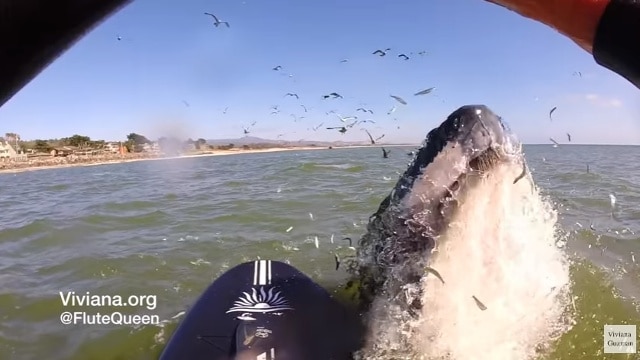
{"x": 296, "y": 117}
{"x": 424, "y": 92}
{"x": 373, "y": 141}
{"x": 385, "y": 153}
{"x": 393, "y": 109}
{"x": 399, "y": 99}
{"x": 304, "y": 107}
{"x": 292, "y": 94}
{"x": 333, "y": 95}
{"x": 315, "y": 128}
{"x": 551, "y": 112}
{"x": 577, "y": 73}
{"x": 341, "y": 129}
{"x": 403, "y": 56}
{"x": 569, "y": 137}
{"x": 345, "y": 119}
{"x": 217, "y": 22}
{"x": 554, "y": 142}
{"x": 364, "y": 110}
{"x": 422, "y": 52}
{"x": 381, "y": 52}
{"x": 277, "y": 68}
{"x": 344, "y": 60}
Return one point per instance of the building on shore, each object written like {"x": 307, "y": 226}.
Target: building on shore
{"x": 8, "y": 152}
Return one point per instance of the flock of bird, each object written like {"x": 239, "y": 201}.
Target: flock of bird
{"x": 349, "y": 122}
{"x": 360, "y": 116}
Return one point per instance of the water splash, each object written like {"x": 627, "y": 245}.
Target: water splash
{"x": 500, "y": 247}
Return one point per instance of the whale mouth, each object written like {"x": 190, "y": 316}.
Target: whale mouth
{"x": 454, "y": 156}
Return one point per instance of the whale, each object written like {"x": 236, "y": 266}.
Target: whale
{"x": 393, "y": 253}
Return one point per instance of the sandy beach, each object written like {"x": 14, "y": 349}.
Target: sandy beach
{"x": 45, "y": 163}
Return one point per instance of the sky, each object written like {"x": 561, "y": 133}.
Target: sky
{"x": 174, "y": 73}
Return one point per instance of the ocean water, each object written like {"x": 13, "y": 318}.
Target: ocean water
{"x": 169, "y": 228}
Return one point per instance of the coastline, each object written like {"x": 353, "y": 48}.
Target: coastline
{"x": 24, "y": 167}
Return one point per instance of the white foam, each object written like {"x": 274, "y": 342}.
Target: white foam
{"x": 500, "y": 248}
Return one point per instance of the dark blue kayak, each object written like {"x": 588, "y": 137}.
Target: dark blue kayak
{"x": 265, "y": 310}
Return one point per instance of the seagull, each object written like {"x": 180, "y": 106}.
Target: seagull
{"x": 373, "y": 141}
{"x": 424, "y": 92}
{"x": 225, "y": 110}
{"x": 246, "y": 130}
{"x": 216, "y": 21}
{"x": 577, "y": 73}
{"x": 304, "y": 107}
{"x": 366, "y": 121}
{"x": 334, "y": 95}
{"x": 551, "y": 112}
{"x": 403, "y": 56}
{"x": 277, "y": 68}
{"x": 344, "y": 60}
{"x": 345, "y": 119}
{"x": 569, "y": 137}
{"x": 341, "y": 129}
{"x": 381, "y": 52}
{"x": 555, "y": 143}
{"x": 292, "y": 94}
{"x": 399, "y": 99}
{"x": 296, "y": 118}
{"x": 422, "y": 52}
{"x": 364, "y": 110}
{"x": 315, "y": 128}
{"x": 385, "y": 153}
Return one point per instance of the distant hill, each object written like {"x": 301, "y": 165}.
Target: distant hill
{"x": 248, "y": 140}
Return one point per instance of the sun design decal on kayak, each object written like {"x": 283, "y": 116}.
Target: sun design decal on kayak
{"x": 261, "y": 302}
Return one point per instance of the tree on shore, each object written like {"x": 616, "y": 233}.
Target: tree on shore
{"x": 42, "y": 146}
{"x": 200, "y": 144}
{"x": 77, "y": 141}
{"x": 138, "y": 139}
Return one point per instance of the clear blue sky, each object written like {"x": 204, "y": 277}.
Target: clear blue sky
{"x": 170, "y": 52}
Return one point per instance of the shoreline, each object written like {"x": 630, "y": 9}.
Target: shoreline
{"x": 125, "y": 159}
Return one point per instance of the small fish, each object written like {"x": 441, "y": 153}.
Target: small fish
{"x": 316, "y": 242}
{"x": 434, "y": 272}
{"x": 633, "y": 258}
{"x": 332, "y": 238}
{"x": 613, "y": 200}
{"x": 480, "y": 305}
{"x": 522, "y": 174}
{"x": 290, "y": 228}
{"x": 349, "y": 240}
{"x": 551, "y": 112}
